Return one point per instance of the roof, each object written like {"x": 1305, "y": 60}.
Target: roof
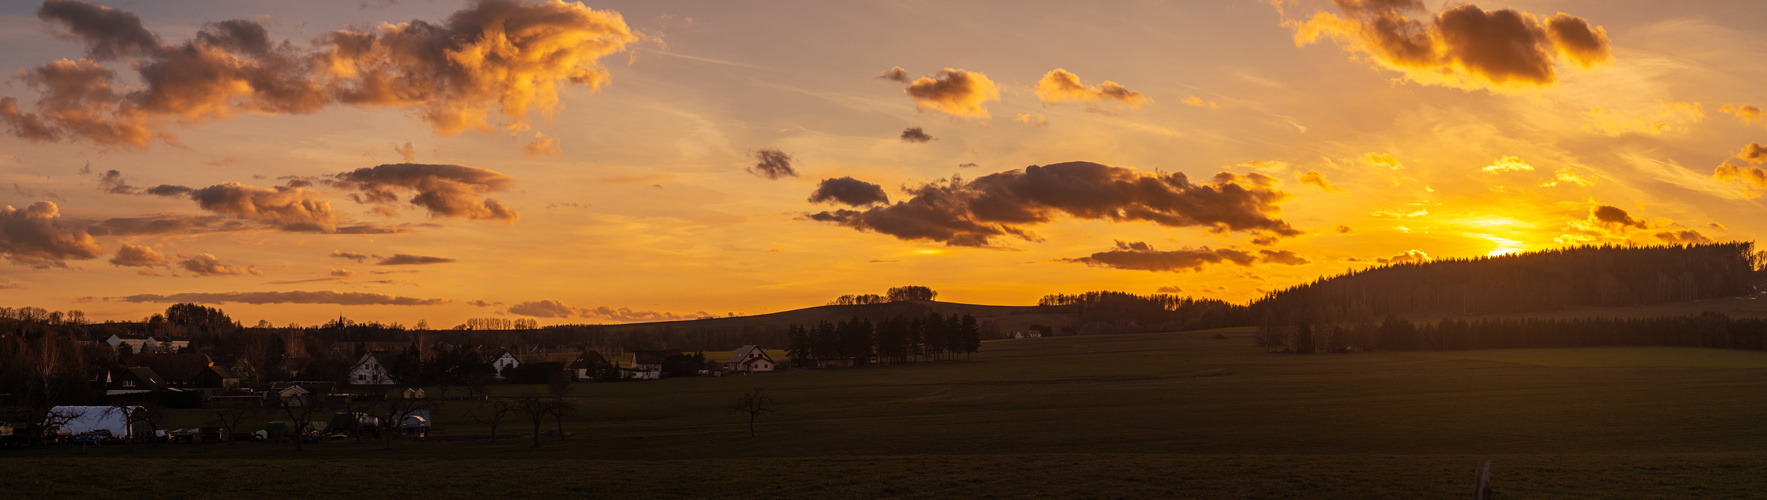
{"x": 749, "y": 351}
{"x": 174, "y": 366}
{"x": 384, "y": 358}
{"x": 590, "y": 360}
{"x": 149, "y": 380}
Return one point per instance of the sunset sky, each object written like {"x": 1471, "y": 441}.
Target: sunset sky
{"x": 636, "y": 161}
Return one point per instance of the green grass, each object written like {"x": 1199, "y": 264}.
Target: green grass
{"x": 1158, "y": 415}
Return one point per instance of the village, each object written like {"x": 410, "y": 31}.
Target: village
{"x": 332, "y": 382}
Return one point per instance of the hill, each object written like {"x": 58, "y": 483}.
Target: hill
{"x": 770, "y": 329}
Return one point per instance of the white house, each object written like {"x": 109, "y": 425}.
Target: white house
{"x": 1026, "y": 334}
{"x": 375, "y": 368}
{"x": 503, "y": 360}
{"x": 749, "y": 359}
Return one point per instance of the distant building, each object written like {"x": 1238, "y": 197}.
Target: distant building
{"x": 135, "y": 380}
{"x": 504, "y": 361}
{"x": 188, "y": 372}
{"x": 375, "y": 368}
{"x": 749, "y": 359}
{"x": 648, "y": 364}
{"x": 590, "y": 365}
{"x": 1026, "y": 334}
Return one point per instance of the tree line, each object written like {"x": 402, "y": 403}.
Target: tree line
{"x": 898, "y": 339}
{"x": 1602, "y": 276}
{"x": 1122, "y": 312}
{"x": 897, "y": 294}
{"x": 1710, "y": 330}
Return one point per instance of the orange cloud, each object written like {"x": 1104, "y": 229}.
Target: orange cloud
{"x": 1746, "y": 175}
{"x": 1568, "y": 175}
{"x": 541, "y": 147}
{"x": 1059, "y": 85}
{"x": 1037, "y": 119}
{"x": 1746, "y": 113}
{"x": 137, "y": 256}
{"x": 207, "y": 265}
{"x": 1669, "y": 116}
{"x": 1383, "y": 160}
{"x": 1464, "y": 47}
{"x": 1200, "y": 102}
{"x": 955, "y": 92}
{"x": 1314, "y": 178}
{"x": 497, "y": 58}
{"x": 1508, "y": 164}
{"x": 1409, "y": 257}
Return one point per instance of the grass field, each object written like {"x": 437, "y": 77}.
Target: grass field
{"x": 1155, "y": 415}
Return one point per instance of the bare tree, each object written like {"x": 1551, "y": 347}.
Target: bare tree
{"x": 491, "y": 413}
{"x": 300, "y": 410}
{"x": 753, "y": 403}
{"x": 535, "y": 408}
{"x": 229, "y": 419}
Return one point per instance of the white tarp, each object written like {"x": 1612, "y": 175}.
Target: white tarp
{"x": 92, "y": 418}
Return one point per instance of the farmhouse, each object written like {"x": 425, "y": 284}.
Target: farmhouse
{"x": 135, "y": 380}
{"x": 375, "y": 368}
{"x": 590, "y": 365}
{"x": 648, "y": 364}
{"x": 504, "y": 362}
{"x": 188, "y": 372}
{"x": 749, "y": 359}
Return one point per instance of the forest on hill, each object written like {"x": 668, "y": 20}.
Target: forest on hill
{"x": 1604, "y": 276}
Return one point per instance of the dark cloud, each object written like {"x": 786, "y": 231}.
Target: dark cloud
{"x": 137, "y": 256}
{"x": 482, "y": 303}
{"x": 342, "y": 273}
{"x": 915, "y": 134}
{"x": 1753, "y": 153}
{"x": 1683, "y": 237}
{"x": 556, "y": 309}
{"x": 166, "y": 224}
{"x": 1059, "y": 85}
{"x": 109, "y": 33}
{"x": 358, "y": 257}
{"x": 955, "y": 92}
{"x": 207, "y": 265}
{"x": 1615, "y": 217}
{"x": 281, "y": 205}
{"x": 1342, "y": 229}
{"x": 37, "y": 236}
{"x": 968, "y": 165}
{"x": 895, "y": 74}
{"x": 1139, "y": 256}
{"x": 1465, "y": 46}
{"x": 772, "y": 164}
{"x": 1170, "y": 289}
{"x": 402, "y": 259}
{"x": 495, "y": 60}
{"x": 443, "y": 190}
{"x": 974, "y": 213}
{"x": 849, "y": 191}
{"x": 111, "y": 181}
{"x": 316, "y": 297}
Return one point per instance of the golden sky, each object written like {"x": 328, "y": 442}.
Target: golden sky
{"x": 630, "y": 161}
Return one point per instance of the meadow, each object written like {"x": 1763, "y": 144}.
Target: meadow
{"x": 1148, "y": 415}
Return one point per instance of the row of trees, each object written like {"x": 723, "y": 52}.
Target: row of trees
{"x": 893, "y": 340}
{"x": 897, "y": 294}
{"x": 1711, "y": 330}
{"x": 1121, "y": 312}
